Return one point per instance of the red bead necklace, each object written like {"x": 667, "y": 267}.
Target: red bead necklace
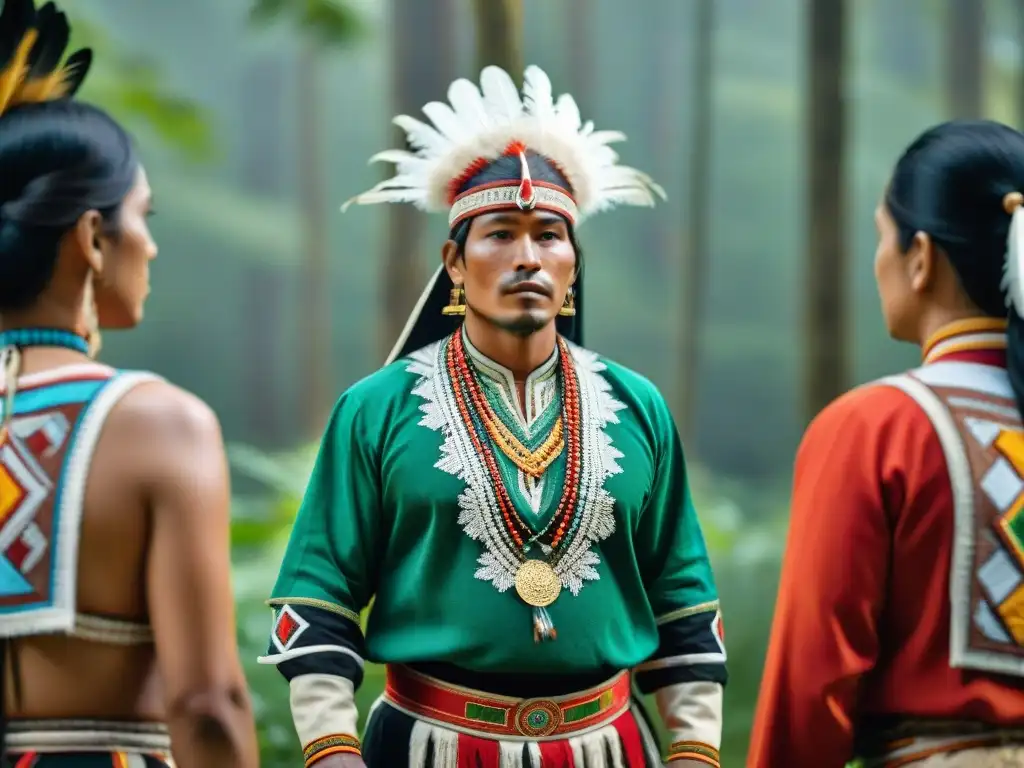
{"x": 472, "y": 403}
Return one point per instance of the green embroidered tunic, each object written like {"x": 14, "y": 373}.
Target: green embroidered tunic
{"x": 401, "y": 508}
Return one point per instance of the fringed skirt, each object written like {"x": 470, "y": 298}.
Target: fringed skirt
{"x": 422, "y": 722}
{"x": 86, "y": 744}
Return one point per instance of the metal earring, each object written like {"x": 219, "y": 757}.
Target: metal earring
{"x": 569, "y": 305}
{"x": 456, "y": 302}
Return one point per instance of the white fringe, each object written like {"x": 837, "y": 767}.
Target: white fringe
{"x": 510, "y": 755}
{"x": 592, "y": 750}
{"x": 419, "y": 742}
{"x": 589, "y": 751}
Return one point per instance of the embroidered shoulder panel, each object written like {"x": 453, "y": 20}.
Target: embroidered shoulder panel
{"x": 479, "y": 511}
{"x": 982, "y": 437}
{"x": 44, "y": 464}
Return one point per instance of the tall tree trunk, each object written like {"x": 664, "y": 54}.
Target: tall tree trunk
{"x": 965, "y": 58}
{"x": 262, "y": 101}
{"x": 1020, "y": 69}
{"x": 499, "y": 35}
{"x": 698, "y": 195}
{"x": 423, "y": 64}
{"x": 825, "y": 332}
{"x": 900, "y": 42}
{"x": 579, "y": 34}
{"x": 660, "y": 25}
{"x": 316, "y": 274}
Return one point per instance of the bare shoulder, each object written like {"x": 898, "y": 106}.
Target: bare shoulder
{"x": 159, "y": 434}
{"x": 160, "y": 411}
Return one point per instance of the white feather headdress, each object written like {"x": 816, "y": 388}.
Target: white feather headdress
{"x": 481, "y": 123}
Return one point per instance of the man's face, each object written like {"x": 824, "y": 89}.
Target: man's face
{"x": 516, "y": 268}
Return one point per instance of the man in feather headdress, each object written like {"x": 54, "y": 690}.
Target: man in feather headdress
{"x": 580, "y": 567}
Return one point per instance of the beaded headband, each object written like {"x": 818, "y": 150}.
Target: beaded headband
{"x": 526, "y": 195}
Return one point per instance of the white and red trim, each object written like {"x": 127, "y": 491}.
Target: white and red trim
{"x": 63, "y": 374}
{"x": 976, "y": 334}
{"x": 503, "y": 195}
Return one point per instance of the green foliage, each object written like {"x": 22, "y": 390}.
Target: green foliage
{"x": 326, "y": 22}
{"x": 130, "y": 87}
{"x": 261, "y": 521}
{"x": 265, "y": 230}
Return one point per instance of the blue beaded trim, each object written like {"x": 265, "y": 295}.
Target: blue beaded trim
{"x": 43, "y": 337}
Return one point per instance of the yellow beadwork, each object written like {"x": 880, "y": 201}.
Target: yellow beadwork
{"x": 695, "y": 751}
{"x": 1012, "y": 612}
{"x": 532, "y": 463}
{"x": 975, "y": 325}
{"x": 335, "y": 744}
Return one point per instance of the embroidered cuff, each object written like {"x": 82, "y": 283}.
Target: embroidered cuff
{"x": 693, "y": 750}
{"x": 325, "y": 716}
{"x": 330, "y": 745}
{"x": 692, "y": 712}
{"x": 313, "y": 637}
{"x": 691, "y": 648}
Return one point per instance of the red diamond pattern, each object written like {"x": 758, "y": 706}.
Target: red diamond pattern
{"x": 17, "y": 553}
{"x": 286, "y": 626}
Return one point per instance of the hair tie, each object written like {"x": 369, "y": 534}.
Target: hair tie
{"x": 1013, "y": 267}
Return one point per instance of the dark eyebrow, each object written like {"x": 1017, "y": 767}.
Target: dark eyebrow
{"x": 503, "y": 218}
{"x": 548, "y": 219}
{"x": 543, "y": 218}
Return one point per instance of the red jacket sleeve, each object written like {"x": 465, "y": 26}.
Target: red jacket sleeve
{"x": 833, "y": 584}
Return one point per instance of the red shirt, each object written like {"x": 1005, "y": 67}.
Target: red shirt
{"x": 862, "y": 620}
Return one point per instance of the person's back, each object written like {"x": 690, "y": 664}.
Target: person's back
{"x": 47, "y": 461}
{"x": 898, "y": 634}
{"x": 116, "y": 613}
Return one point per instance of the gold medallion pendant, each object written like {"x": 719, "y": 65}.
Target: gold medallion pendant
{"x": 537, "y": 583}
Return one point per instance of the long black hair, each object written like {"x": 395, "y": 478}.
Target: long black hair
{"x": 950, "y": 183}
{"x": 58, "y": 160}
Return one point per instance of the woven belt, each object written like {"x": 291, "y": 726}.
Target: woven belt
{"x": 503, "y": 717}
{"x": 56, "y": 736}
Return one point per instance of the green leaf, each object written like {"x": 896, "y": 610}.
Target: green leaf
{"x": 285, "y": 474}
{"x": 178, "y": 122}
{"x": 334, "y": 23}
{"x": 328, "y": 22}
{"x": 264, "y": 11}
{"x": 130, "y": 87}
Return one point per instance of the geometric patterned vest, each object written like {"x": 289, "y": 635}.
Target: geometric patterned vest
{"x": 44, "y": 465}
{"x": 975, "y": 416}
